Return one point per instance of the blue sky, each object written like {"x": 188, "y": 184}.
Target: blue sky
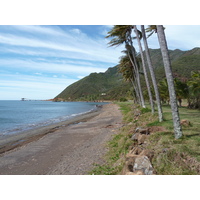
{"x": 38, "y": 62}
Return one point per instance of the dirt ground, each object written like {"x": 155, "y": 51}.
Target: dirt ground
{"x": 68, "y": 149}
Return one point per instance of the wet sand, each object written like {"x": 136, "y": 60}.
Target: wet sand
{"x": 70, "y": 147}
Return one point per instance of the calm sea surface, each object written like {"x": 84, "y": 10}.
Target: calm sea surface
{"x": 17, "y": 116}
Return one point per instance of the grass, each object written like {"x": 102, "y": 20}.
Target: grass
{"x": 171, "y": 156}
{"x": 182, "y": 156}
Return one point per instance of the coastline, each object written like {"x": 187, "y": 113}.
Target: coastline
{"x": 67, "y": 149}
{"x": 11, "y": 142}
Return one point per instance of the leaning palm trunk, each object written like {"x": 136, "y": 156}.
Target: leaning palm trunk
{"x": 144, "y": 70}
{"x": 153, "y": 78}
{"x": 137, "y": 97}
{"x": 137, "y": 78}
{"x": 170, "y": 81}
{"x": 136, "y": 68}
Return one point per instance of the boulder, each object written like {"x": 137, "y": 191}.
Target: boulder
{"x": 144, "y": 164}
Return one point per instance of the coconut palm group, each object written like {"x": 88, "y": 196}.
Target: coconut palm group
{"x": 132, "y": 71}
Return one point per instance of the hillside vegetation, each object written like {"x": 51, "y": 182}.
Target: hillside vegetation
{"x": 111, "y": 86}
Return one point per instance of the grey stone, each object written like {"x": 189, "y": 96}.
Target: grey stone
{"x": 144, "y": 164}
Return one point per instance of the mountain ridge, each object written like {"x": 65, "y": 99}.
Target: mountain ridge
{"x": 110, "y": 85}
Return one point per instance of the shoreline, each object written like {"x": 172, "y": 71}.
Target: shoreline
{"x": 71, "y": 148}
{"x": 11, "y": 142}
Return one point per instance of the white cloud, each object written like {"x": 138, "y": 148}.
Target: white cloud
{"x": 30, "y": 42}
{"x": 76, "y": 31}
{"x": 40, "y": 29}
{"x": 50, "y": 67}
{"x": 70, "y": 45}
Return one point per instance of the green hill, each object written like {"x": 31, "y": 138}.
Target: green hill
{"x": 96, "y": 86}
{"x": 110, "y": 85}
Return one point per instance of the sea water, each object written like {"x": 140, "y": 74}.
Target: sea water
{"x": 18, "y": 116}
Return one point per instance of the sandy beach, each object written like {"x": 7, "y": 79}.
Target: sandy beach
{"x": 66, "y": 148}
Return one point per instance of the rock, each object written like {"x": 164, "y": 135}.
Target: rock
{"x": 141, "y": 139}
{"x": 147, "y": 153}
{"x": 135, "y": 136}
{"x": 141, "y": 130}
{"x": 143, "y": 163}
{"x": 128, "y": 166}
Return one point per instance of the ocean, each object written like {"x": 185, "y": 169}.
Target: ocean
{"x": 18, "y": 116}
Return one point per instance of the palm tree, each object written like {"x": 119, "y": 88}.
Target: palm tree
{"x": 182, "y": 90}
{"x": 126, "y": 69}
{"x": 122, "y": 34}
{"x": 132, "y": 56}
{"x": 164, "y": 91}
{"x": 130, "y": 47}
{"x": 170, "y": 80}
{"x": 144, "y": 69}
{"x": 153, "y": 78}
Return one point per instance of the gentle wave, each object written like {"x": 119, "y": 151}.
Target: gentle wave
{"x": 31, "y": 126}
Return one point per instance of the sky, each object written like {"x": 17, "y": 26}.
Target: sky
{"x": 40, "y": 61}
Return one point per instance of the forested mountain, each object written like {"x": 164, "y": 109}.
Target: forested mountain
{"x": 110, "y": 85}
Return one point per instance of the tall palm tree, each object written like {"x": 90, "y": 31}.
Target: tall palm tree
{"x": 132, "y": 56}
{"x": 122, "y": 34}
{"x": 170, "y": 81}
{"x": 153, "y": 78}
{"x": 144, "y": 69}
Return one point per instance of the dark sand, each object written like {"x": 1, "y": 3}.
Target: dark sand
{"x": 70, "y": 147}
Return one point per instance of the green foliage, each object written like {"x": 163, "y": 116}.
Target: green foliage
{"x": 111, "y": 82}
{"x": 194, "y": 90}
{"x": 97, "y": 86}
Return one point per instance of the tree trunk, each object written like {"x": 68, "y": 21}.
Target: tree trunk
{"x": 137, "y": 97}
{"x": 145, "y": 71}
{"x": 135, "y": 75}
{"x": 170, "y": 80}
{"x": 151, "y": 69}
{"x": 136, "y": 68}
